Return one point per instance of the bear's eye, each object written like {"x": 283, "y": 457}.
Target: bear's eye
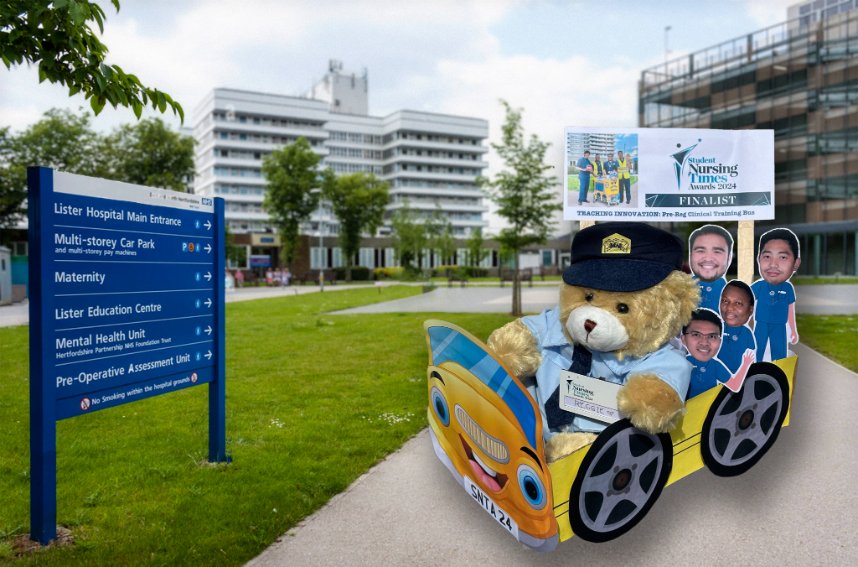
{"x": 622, "y": 308}
{"x": 589, "y": 296}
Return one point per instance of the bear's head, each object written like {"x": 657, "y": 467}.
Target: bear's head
{"x": 625, "y": 291}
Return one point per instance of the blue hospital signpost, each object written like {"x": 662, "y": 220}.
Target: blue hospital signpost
{"x": 127, "y": 302}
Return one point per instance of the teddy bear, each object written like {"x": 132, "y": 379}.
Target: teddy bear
{"x": 623, "y": 298}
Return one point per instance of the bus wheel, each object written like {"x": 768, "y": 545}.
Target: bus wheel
{"x": 741, "y": 427}
{"x": 619, "y": 480}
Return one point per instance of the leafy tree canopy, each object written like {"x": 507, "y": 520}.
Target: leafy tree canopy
{"x": 150, "y": 153}
{"x": 410, "y": 238}
{"x": 146, "y": 153}
{"x": 58, "y": 37}
{"x": 359, "y": 201}
{"x": 292, "y": 173}
{"x": 524, "y": 194}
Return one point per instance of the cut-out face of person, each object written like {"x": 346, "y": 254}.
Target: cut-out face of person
{"x": 702, "y": 339}
{"x": 709, "y": 257}
{"x": 736, "y": 306}
{"x": 777, "y": 262}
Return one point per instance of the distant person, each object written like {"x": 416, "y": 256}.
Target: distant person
{"x": 269, "y": 277}
{"x": 598, "y": 175}
{"x": 710, "y": 251}
{"x": 611, "y": 164}
{"x": 737, "y": 305}
{"x": 702, "y": 339}
{"x": 777, "y": 261}
{"x": 287, "y": 277}
{"x": 624, "y": 178}
{"x": 239, "y": 278}
{"x": 585, "y": 168}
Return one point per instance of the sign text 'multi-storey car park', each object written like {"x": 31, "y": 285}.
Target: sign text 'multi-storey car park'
{"x": 127, "y": 293}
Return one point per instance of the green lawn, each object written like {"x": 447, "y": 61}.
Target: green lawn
{"x": 831, "y": 335}
{"x": 313, "y": 401}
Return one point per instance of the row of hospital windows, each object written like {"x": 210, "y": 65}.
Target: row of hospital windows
{"x": 235, "y": 189}
{"x": 232, "y": 116}
{"x": 337, "y": 167}
{"x": 663, "y": 110}
{"x": 336, "y": 151}
{"x": 397, "y": 167}
{"x": 353, "y": 137}
{"x": 325, "y": 258}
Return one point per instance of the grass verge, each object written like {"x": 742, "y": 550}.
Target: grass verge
{"x": 831, "y": 335}
{"x": 313, "y": 401}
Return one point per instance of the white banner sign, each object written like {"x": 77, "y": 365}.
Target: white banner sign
{"x": 669, "y": 174}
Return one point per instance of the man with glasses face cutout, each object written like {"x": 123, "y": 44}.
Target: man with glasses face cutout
{"x": 702, "y": 339}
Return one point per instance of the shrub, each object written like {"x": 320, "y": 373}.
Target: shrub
{"x": 387, "y": 273}
{"x": 359, "y": 273}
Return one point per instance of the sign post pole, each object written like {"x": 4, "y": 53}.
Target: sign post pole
{"x": 43, "y": 426}
{"x": 217, "y": 387}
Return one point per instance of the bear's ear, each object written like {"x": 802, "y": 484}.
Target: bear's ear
{"x": 684, "y": 292}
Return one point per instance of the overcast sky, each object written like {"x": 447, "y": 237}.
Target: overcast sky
{"x": 565, "y": 63}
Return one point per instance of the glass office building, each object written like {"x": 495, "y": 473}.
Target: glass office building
{"x": 800, "y": 78}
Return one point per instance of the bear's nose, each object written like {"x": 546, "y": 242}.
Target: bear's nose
{"x": 589, "y": 325}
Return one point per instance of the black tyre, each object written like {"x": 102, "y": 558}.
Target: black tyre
{"x": 619, "y": 480}
{"x": 741, "y": 427}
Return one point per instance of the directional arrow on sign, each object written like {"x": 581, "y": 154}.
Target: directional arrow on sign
{"x": 209, "y": 248}
{"x": 208, "y": 329}
{"x": 208, "y": 225}
{"x": 209, "y": 355}
{"x": 208, "y": 276}
{"x": 208, "y": 302}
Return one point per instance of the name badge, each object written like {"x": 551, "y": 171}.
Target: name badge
{"x": 590, "y": 397}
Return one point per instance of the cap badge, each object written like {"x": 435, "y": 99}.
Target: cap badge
{"x": 616, "y": 244}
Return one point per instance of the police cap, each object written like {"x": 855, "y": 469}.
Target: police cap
{"x": 622, "y": 256}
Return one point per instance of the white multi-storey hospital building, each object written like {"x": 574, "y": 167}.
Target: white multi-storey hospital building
{"x": 431, "y": 160}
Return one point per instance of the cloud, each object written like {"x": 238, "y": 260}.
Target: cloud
{"x": 768, "y": 13}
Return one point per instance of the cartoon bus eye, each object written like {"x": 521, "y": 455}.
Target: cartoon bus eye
{"x": 439, "y": 405}
{"x": 531, "y": 487}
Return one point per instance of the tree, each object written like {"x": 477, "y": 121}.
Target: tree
{"x": 358, "y": 201}
{"x": 439, "y": 231}
{"x": 150, "y": 153}
{"x": 522, "y": 192}
{"x": 12, "y": 192}
{"x": 476, "y": 253}
{"x": 409, "y": 238}
{"x": 146, "y": 153}
{"x": 61, "y": 140}
{"x": 57, "y": 35}
{"x": 291, "y": 173}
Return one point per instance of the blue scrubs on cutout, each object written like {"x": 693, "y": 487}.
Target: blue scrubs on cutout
{"x": 706, "y": 375}
{"x": 771, "y": 313}
{"x": 710, "y": 293}
{"x": 734, "y": 343}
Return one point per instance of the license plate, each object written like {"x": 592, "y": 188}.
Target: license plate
{"x": 493, "y": 510}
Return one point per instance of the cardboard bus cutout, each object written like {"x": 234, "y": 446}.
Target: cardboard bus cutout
{"x": 486, "y": 430}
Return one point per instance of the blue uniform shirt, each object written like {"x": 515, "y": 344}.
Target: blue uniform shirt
{"x": 734, "y": 343}
{"x": 582, "y": 164}
{"x": 667, "y": 362}
{"x": 771, "y": 303}
{"x": 611, "y": 165}
{"x": 710, "y": 293}
{"x": 706, "y": 375}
